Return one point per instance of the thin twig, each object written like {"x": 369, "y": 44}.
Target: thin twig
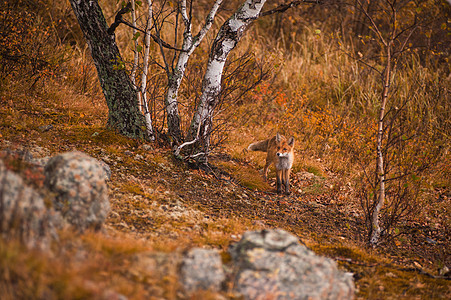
{"x": 284, "y": 7}
{"x": 179, "y": 148}
{"x": 119, "y": 20}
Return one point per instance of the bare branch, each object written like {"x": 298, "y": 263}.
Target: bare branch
{"x": 156, "y": 39}
{"x": 179, "y": 148}
{"x": 208, "y": 23}
{"x": 118, "y": 19}
{"x": 407, "y": 39}
{"x": 374, "y": 27}
{"x": 362, "y": 61}
{"x": 284, "y": 7}
{"x": 160, "y": 43}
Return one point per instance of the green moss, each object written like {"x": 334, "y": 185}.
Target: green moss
{"x": 344, "y": 251}
{"x": 385, "y": 281}
{"x": 133, "y": 188}
{"x": 247, "y": 176}
{"x": 98, "y": 135}
{"x": 315, "y": 170}
{"x": 378, "y": 278}
{"x": 316, "y": 188}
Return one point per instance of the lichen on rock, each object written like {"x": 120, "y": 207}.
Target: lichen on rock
{"x": 202, "y": 269}
{"x": 81, "y": 194}
{"x": 23, "y": 213}
{"x": 273, "y": 264}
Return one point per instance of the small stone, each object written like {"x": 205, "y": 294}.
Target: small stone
{"x": 45, "y": 128}
{"x": 431, "y": 241}
{"x": 444, "y": 271}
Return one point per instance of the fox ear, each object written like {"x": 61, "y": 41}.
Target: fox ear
{"x": 278, "y": 137}
{"x": 291, "y": 141}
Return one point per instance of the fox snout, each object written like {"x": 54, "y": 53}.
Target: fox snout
{"x": 279, "y": 154}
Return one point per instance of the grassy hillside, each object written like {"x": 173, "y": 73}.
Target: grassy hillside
{"x": 310, "y": 86}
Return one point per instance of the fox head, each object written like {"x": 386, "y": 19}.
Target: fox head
{"x": 283, "y": 146}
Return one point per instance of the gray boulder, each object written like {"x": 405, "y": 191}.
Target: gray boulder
{"x": 29, "y": 155}
{"x": 78, "y": 182}
{"x": 201, "y": 269}
{"x": 23, "y": 213}
{"x": 272, "y": 264}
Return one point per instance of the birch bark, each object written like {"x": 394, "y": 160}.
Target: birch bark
{"x": 147, "y": 116}
{"x": 190, "y": 43}
{"x": 375, "y": 232}
{"x": 380, "y": 171}
{"x": 136, "y": 54}
{"x": 227, "y": 38}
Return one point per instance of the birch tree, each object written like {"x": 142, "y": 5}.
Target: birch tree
{"x": 175, "y": 74}
{"x": 226, "y": 40}
{"x": 229, "y": 35}
{"x": 121, "y": 97}
{"x": 393, "y": 41}
{"x": 145, "y": 70}
{"x": 135, "y": 51}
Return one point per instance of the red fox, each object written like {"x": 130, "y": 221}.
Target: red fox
{"x": 281, "y": 153}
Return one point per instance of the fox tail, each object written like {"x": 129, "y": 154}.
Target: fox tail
{"x": 259, "y": 146}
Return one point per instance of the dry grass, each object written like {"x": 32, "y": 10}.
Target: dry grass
{"x": 83, "y": 268}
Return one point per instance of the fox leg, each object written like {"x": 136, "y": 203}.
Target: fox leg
{"x": 279, "y": 177}
{"x": 286, "y": 181}
{"x": 265, "y": 170}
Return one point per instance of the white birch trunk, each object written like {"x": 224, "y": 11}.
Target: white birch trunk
{"x": 136, "y": 55}
{"x": 190, "y": 43}
{"x": 228, "y": 36}
{"x": 376, "y": 230}
{"x": 145, "y": 103}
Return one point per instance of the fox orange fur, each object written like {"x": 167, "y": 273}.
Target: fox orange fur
{"x": 280, "y": 152}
